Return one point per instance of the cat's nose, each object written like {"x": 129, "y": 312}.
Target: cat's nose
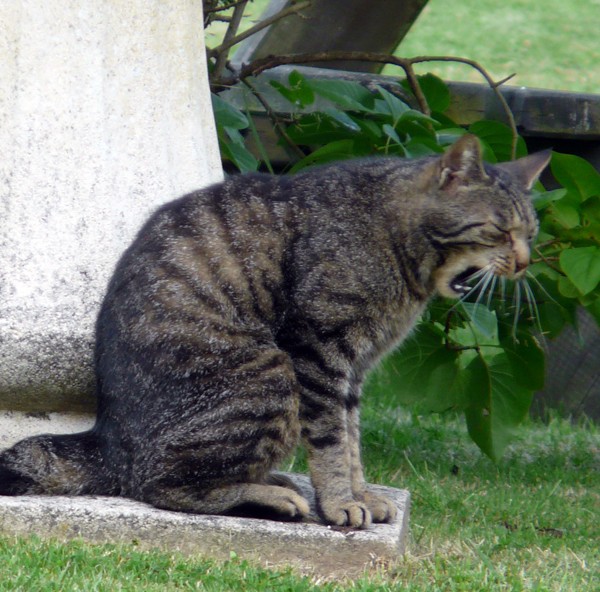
{"x": 521, "y": 256}
{"x": 521, "y": 266}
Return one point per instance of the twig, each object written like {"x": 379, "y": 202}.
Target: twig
{"x": 279, "y": 128}
{"x": 547, "y": 261}
{"x": 493, "y": 85}
{"x": 236, "y": 19}
{"x": 227, "y": 44}
{"x": 224, "y": 7}
{"x": 260, "y": 65}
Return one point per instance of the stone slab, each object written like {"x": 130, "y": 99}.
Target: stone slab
{"x": 310, "y": 547}
{"x": 17, "y": 425}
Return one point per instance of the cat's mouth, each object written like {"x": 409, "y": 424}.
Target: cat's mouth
{"x": 459, "y": 283}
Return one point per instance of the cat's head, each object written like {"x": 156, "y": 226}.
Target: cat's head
{"x": 482, "y": 219}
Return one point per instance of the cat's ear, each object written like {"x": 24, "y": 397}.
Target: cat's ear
{"x": 461, "y": 163}
{"x": 527, "y": 169}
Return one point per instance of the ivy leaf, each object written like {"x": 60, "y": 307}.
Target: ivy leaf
{"x": 565, "y": 214}
{"x": 390, "y": 104}
{"x": 577, "y": 175}
{"x": 434, "y": 89}
{"x": 423, "y": 372}
{"x": 526, "y": 360}
{"x": 542, "y": 200}
{"x": 498, "y": 138}
{"x": 347, "y": 95}
{"x": 342, "y": 118}
{"x": 436, "y": 92}
{"x": 582, "y": 267}
{"x": 498, "y": 403}
{"x": 227, "y": 115}
{"x": 338, "y": 150}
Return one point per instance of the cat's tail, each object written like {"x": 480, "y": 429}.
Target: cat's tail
{"x": 69, "y": 464}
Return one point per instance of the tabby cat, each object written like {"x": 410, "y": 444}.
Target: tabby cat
{"x": 244, "y": 317}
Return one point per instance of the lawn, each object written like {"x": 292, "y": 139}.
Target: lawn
{"x": 551, "y": 44}
{"x": 528, "y": 523}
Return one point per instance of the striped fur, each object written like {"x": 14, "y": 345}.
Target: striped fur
{"x": 244, "y": 317}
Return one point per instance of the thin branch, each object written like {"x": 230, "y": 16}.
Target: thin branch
{"x": 224, "y": 7}
{"x": 293, "y": 9}
{"x": 548, "y": 261}
{"x": 260, "y": 65}
{"x": 279, "y": 128}
{"x": 493, "y": 85}
{"x": 236, "y": 19}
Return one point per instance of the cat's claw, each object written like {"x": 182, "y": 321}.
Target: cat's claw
{"x": 382, "y": 508}
{"x": 350, "y": 513}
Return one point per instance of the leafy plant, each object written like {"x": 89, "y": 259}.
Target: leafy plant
{"x": 484, "y": 358}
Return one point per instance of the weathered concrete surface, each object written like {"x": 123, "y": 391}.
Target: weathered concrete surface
{"x": 16, "y": 425}
{"x": 105, "y": 113}
{"x": 310, "y": 547}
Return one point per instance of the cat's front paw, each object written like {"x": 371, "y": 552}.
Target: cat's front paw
{"x": 382, "y": 508}
{"x": 346, "y": 513}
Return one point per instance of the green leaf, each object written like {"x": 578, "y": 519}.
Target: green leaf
{"x": 544, "y": 199}
{"x": 594, "y": 309}
{"x": 483, "y": 323}
{"x": 591, "y": 210}
{"x": 338, "y": 150}
{"x": 498, "y": 138}
{"x": 391, "y": 133}
{"x": 314, "y": 129}
{"x": 526, "y": 360}
{"x": 299, "y": 91}
{"x": 565, "y": 214}
{"x": 582, "y": 267}
{"x": 347, "y": 95}
{"x": 390, "y": 104}
{"x": 566, "y": 288}
{"x": 436, "y": 92}
{"x": 226, "y": 115}
{"x": 342, "y": 118}
{"x": 498, "y": 403}
{"x": 241, "y": 157}
{"x": 423, "y": 372}
{"x": 577, "y": 175}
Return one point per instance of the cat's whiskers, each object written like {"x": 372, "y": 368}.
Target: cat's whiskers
{"x": 487, "y": 279}
{"x": 541, "y": 287}
{"x": 517, "y": 308}
{"x": 534, "y": 310}
{"x": 503, "y": 292}
{"x": 491, "y": 291}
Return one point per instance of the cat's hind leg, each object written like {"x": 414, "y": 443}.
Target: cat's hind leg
{"x": 217, "y": 457}
{"x": 239, "y": 499}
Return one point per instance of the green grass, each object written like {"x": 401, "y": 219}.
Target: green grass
{"x": 551, "y": 44}
{"x": 528, "y": 523}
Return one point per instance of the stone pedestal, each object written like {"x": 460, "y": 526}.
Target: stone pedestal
{"x": 105, "y": 113}
{"x": 310, "y": 547}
